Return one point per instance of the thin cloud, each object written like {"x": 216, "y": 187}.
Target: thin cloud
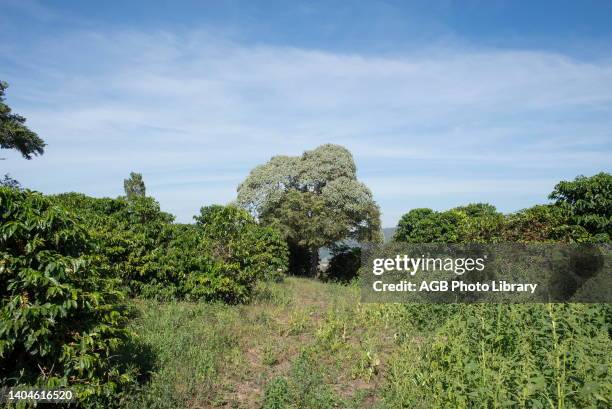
{"x": 160, "y": 103}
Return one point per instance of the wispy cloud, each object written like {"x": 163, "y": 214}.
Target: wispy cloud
{"x": 200, "y": 110}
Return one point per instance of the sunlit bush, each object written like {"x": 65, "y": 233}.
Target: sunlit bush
{"x": 61, "y": 314}
{"x": 219, "y": 258}
{"x": 248, "y": 251}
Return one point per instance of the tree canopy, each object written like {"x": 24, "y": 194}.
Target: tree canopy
{"x": 315, "y": 199}
{"x": 14, "y": 134}
{"x": 134, "y": 186}
{"x": 8, "y": 181}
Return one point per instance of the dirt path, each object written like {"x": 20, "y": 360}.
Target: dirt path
{"x": 306, "y": 316}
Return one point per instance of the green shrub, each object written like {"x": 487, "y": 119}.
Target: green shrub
{"x": 172, "y": 263}
{"x": 264, "y": 250}
{"x": 542, "y": 223}
{"x": 478, "y": 210}
{"x": 61, "y": 315}
{"x": 589, "y": 203}
{"x": 243, "y": 252}
{"x": 236, "y": 237}
{"x": 481, "y": 223}
{"x": 407, "y": 225}
{"x": 127, "y": 234}
{"x": 219, "y": 258}
{"x": 223, "y": 224}
{"x": 427, "y": 226}
{"x": 475, "y": 222}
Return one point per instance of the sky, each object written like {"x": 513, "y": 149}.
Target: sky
{"x": 441, "y": 103}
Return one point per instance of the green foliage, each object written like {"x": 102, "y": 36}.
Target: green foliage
{"x": 129, "y": 235}
{"x": 344, "y": 264}
{"x": 277, "y": 394}
{"x": 220, "y": 258}
{"x": 8, "y": 181}
{"x": 407, "y": 226}
{"x": 481, "y": 223}
{"x": 589, "y": 203}
{"x": 542, "y": 223}
{"x": 265, "y": 251}
{"x": 475, "y": 222}
{"x": 170, "y": 263}
{"x": 246, "y": 252}
{"x": 224, "y": 224}
{"x": 483, "y": 229}
{"x": 526, "y": 356}
{"x": 474, "y": 210}
{"x": 311, "y": 231}
{"x": 134, "y": 186}
{"x": 314, "y": 199}
{"x": 14, "y": 134}
{"x": 61, "y": 315}
{"x": 427, "y": 226}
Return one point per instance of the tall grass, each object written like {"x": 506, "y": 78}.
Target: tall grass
{"x": 306, "y": 344}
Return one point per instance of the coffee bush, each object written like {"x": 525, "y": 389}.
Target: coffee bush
{"x": 61, "y": 315}
{"x": 244, "y": 251}
{"x": 219, "y": 258}
{"x": 127, "y": 234}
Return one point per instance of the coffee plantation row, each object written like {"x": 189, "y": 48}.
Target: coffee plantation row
{"x": 70, "y": 266}
{"x": 67, "y": 263}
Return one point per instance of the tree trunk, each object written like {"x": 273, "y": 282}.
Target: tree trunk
{"x": 299, "y": 260}
{"x": 313, "y": 268}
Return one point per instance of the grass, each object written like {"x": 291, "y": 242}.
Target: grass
{"x": 307, "y": 344}
{"x": 301, "y": 341}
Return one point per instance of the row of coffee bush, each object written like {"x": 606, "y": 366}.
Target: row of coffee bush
{"x": 580, "y": 212}
{"x": 221, "y": 257}
{"x": 67, "y": 263}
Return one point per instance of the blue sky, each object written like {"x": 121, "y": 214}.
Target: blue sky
{"x": 441, "y": 104}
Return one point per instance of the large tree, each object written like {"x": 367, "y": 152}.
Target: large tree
{"x": 134, "y": 186}
{"x": 13, "y": 132}
{"x": 314, "y": 199}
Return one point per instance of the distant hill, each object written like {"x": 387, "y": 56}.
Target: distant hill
{"x": 388, "y": 233}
